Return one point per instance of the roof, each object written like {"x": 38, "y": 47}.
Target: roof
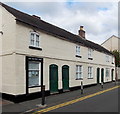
{"x": 53, "y": 30}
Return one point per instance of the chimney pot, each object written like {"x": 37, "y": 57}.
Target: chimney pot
{"x": 36, "y": 16}
{"x": 82, "y": 32}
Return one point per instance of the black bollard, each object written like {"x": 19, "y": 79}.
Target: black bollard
{"x": 81, "y": 87}
{"x": 43, "y": 95}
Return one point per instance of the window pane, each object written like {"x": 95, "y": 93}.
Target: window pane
{"x": 34, "y": 65}
{"x": 33, "y": 78}
{"x": 37, "y": 37}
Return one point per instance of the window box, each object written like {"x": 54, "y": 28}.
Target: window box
{"x": 78, "y": 56}
{"x": 90, "y": 78}
{"x": 90, "y": 58}
{"x": 37, "y": 48}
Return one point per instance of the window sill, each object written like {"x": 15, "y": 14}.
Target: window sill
{"x": 90, "y": 78}
{"x": 34, "y": 86}
{"x": 79, "y": 56}
{"x": 90, "y": 58}
{"x": 79, "y": 79}
{"x": 31, "y": 47}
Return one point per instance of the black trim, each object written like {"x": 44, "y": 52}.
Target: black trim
{"x": 79, "y": 56}
{"x": 31, "y": 96}
{"x": 90, "y": 58}
{"x": 26, "y": 75}
{"x": 79, "y": 79}
{"x": 27, "y": 61}
{"x": 34, "y": 86}
{"x": 31, "y": 47}
{"x": 90, "y": 78}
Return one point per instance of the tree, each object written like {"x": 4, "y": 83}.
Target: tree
{"x": 116, "y": 53}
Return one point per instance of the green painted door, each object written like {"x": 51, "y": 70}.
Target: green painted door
{"x": 53, "y": 78}
{"x": 112, "y": 72}
{"x": 65, "y": 77}
{"x": 98, "y": 75}
{"x": 102, "y": 75}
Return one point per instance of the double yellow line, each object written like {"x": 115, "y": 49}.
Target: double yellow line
{"x": 74, "y": 101}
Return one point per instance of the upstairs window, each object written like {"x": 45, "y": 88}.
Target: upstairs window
{"x": 79, "y": 72}
{"x": 34, "y": 39}
{"x": 112, "y": 59}
{"x": 78, "y": 50}
{"x": 90, "y": 53}
{"x": 107, "y": 58}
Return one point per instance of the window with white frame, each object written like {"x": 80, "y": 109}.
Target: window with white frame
{"x": 107, "y": 58}
{"x": 78, "y": 50}
{"x": 79, "y": 72}
{"x": 107, "y": 72}
{"x": 90, "y": 72}
{"x": 34, "y": 73}
{"x": 112, "y": 59}
{"x": 34, "y": 39}
{"x": 89, "y": 53}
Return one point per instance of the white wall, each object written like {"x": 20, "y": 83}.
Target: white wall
{"x": 54, "y": 51}
{"x": 8, "y": 51}
{"x": 112, "y": 43}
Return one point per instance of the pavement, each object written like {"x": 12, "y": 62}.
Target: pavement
{"x": 34, "y": 105}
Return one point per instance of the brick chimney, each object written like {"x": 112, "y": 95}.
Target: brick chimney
{"x": 35, "y": 16}
{"x": 82, "y": 32}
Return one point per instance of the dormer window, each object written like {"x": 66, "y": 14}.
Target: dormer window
{"x": 90, "y": 54}
{"x": 34, "y": 39}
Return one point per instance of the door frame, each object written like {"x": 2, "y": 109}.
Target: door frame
{"x": 102, "y": 75}
{"x": 50, "y": 77}
{"x": 67, "y": 67}
{"x": 112, "y": 74}
{"x": 98, "y": 75}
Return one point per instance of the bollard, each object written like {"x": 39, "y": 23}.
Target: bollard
{"x": 42, "y": 105}
{"x": 81, "y": 87}
{"x": 115, "y": 82}
{"x": 102, "y": 85}
{"x": 43, "y": 95}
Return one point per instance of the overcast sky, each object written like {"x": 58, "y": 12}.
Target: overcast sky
{"x": 100, "y": 19}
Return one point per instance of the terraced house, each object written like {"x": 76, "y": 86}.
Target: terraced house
{"x": 35, "y": 53}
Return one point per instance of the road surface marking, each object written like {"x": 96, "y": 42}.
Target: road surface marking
{"x": 74, "y": 101}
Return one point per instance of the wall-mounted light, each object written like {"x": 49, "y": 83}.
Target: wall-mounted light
{"x": 1, "y": 32}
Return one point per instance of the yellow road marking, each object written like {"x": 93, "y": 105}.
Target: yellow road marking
{"x": 74, "y": 101}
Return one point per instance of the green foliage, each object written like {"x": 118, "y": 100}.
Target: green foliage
{"x": 116, "y": 53}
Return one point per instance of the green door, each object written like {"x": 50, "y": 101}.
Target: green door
{"x": 65, "y": 77}
{"x": 112, "y": 73}
{"x": 53, "y": 78}
{"x": 98, "y": 75}
{"x": 102, "y": 75}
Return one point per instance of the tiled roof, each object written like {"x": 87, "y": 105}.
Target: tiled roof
{"x": 53, "y": 30}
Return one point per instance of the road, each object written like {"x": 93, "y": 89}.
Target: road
{"x": 106, "y": 102}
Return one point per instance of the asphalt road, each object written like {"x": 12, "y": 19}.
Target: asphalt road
{"x": 106, "y": 102}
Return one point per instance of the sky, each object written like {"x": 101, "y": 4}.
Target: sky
{"x": 100, "y": 19}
